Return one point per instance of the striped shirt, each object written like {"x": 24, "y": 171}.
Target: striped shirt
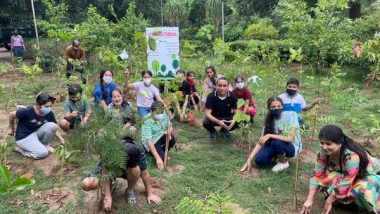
{"x": 153, "y": 130}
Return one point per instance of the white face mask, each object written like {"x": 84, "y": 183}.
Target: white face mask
{"x": 147, "y": 81}
{"x": 240, "y": 85}
{"x": 158, "y": 116}
{"x": 107, "y": 79}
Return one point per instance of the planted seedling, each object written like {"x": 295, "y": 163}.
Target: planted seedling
{"x": 244, "y": 124}
{"x": 9, "y": 184}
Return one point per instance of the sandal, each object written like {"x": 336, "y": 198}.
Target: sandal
{"x": 131, "y": 197}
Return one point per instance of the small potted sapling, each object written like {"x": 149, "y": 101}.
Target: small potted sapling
{"x": 244, "y": 124}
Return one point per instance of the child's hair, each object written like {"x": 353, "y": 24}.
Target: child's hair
{"x": 335, "y": 134}
{"x": 123, "y": 103}
{"x": 157, "y": 105}
{"x": 74, "y": 89}
{"x": 146, "y": 72}
{"x": 213, "y": 80}
{"x": 180, "y": 71}
{"x": 293, "y": 81}
{"x": 44, "y": 98}
{"x": 189, "y": 73}
{"x": 269, "y": 119}
{"x": 239, "y": 77}
{"x": 102, "y": 72}
{"x": 222, "y": 78}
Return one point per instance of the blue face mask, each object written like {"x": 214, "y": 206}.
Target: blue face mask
{"x": 45, "y": 110}
{"x": 276, "y": 113}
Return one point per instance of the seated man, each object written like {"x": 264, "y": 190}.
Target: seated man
{"x": 76, "y": 110}
{"x": 221, "y": 106}
{"x": 135, "y": 168}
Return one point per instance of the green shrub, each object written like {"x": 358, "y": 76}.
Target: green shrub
{"x": 239, "y": 45}
{"x": 261, "y": 30}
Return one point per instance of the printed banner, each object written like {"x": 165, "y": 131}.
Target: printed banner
{"x": 163, "y": 51}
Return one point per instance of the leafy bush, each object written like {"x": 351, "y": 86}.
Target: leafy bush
{"x": 262, "y": 30}
{"x": 366, "y": 26}
{"x": 222, "y": 51}
{"x": 239, "y": 45}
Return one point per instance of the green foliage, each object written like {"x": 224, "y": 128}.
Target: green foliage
{"x": 175, "y": 12}
{"x": 216, "y": 203}
{"x": 371, "y": 52}
{"x": 197, "y": 13}
{"x": 222, "y": 51}
{"x": 205, "y": 35}
{"x": 262, "y": 30}
{"x": 6, "y": 67}
{"x": 366, "y": 26}
{"x": 9, "y": 185}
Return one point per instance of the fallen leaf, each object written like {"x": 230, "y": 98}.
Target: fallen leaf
{"x": 27, "y": 175}
{"x": 32, "y": 192}
{"x": 269, "y": 190}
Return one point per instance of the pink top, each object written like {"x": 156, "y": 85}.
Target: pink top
{"x": 17, "y": 41}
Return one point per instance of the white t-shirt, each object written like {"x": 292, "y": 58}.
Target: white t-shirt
{"x": 295, "y": 103}
{"x": 145, "y": 94}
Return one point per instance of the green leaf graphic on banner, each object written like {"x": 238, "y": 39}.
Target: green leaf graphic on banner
{"x": 175, "y": 64}
{"x": 155, "y": 65}
{"x": 174, "y": 56}
{"x": 163, "y": 68}
{"x": 152, "y": 43}
{"x": 170, "y": 74}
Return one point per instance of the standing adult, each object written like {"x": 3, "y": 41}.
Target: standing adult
{"x": 74, "y": 56}
{"x": 17, "y": 44}
{"x": 36, "y": 128}
{"x": 220, "y": 108}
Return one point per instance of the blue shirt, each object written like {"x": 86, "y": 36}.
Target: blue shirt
{"x": 29, "y": 121}
{"x": 104, "y": 94}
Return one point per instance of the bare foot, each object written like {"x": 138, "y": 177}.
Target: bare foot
{"x": 49, "y": 148}
{"x": 107, "y": 203}
{"x": 16, "y": 149}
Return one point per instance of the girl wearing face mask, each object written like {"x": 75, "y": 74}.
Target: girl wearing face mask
{"x": 121, "y": 111}
{"x": 102, "y": 91}
{"x": 36, "y": 128}
{"x": 345, "y": 172}
{"x": 154, "y": 130}
{"x": 242, "y": 92}
{"x": 146, "y": 92}
{"x": 280, "y": 138}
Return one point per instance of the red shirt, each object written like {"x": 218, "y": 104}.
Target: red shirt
{"x": 244, "y": 94}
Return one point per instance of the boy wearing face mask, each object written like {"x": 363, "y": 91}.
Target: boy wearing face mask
{"x": 242, "y": 92}
{"x": 36, "y": 128}
{"x": 293, "y": 101}
{"x": 76, "y": 109}
{"x": 154, "y": 130}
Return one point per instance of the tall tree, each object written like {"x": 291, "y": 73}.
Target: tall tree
{"x": 214, "y": 11}
{"x": 175, "y": 12}
{"x": 197, "y": 13}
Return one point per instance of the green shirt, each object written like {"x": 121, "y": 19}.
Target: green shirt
{"x": 81, "y": 106}
{"x": 153, "y": 130}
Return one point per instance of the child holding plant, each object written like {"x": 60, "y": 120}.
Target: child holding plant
{"x": 280, "y": 138}
{"x": 102, "y": 91}
{"x": 346, "y": 172}
{"x": 242, "y": 92}
{"x": 156, "y": 128}
{"x": 146, "y": 92}
{"x": 36, "y": 128}
{"x": 76, "y": 109}
{"x": 294, "y": 101}
{"x": 191, "y": 96}
{"x": 135, "y": 167}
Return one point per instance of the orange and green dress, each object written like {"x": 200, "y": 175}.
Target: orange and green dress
{"x": 345, "y": 183}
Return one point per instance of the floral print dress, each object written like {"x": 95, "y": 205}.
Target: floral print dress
{"x": 345, "y": 183}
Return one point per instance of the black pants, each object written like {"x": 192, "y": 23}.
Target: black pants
{"x": 70, "y": 69}
{"x": 210, "y": 126}
{"x": 160, "y": 145}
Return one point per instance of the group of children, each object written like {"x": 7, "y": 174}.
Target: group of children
{"x": 345, "y": 170}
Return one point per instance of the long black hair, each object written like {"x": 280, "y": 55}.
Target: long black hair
{"x": 213, "y": 80}
{"x": 102, "y": 72}
{"x": 269, "y": 119}
{"x": 335, "y": 134}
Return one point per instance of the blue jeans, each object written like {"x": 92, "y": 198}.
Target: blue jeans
{"x": 18, "y": 51}
{"x": 275, "y": 147}
{"x": 143, "y": 111}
